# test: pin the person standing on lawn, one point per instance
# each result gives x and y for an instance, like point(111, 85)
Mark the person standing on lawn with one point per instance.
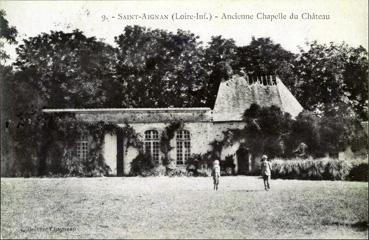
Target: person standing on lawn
point(266, 171)
point(215, 173)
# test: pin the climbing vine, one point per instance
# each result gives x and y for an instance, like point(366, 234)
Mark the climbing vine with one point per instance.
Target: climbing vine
point(230, 137)
point(166, 136)
point(58, 156)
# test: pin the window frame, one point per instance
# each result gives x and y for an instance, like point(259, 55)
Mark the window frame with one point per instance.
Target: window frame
point(183, 146)
point(152, 141)
point(82, 148)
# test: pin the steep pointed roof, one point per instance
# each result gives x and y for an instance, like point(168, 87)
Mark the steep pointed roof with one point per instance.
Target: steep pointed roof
point(238, 93)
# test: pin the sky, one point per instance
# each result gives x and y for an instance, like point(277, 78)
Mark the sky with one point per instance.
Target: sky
point(348, 19)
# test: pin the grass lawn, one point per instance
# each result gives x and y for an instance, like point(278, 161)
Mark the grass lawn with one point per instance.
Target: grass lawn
point(182, 207)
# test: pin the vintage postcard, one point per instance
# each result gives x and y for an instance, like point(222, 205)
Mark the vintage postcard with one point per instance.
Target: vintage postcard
point(233, 119)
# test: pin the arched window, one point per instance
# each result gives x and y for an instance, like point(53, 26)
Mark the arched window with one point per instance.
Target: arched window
point(183, 146)
point(82, 148)
point(151, 145)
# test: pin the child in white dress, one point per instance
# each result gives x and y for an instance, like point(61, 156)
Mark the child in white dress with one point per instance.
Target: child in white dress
point(215, 173)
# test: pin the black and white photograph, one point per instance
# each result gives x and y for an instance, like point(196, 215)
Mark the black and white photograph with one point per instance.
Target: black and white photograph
point(169, 119)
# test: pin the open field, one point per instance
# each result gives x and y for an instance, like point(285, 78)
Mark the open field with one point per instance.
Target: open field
point(182, 207)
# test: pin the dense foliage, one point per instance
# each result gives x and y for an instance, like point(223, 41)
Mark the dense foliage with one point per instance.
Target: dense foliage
point(199, 164)
point(157, 68)
point(336, 74)
point(142, 165)
point(264, 57)
point(67, 69)
point(270, 131)
point(7, 34)
point(53, 150)
point(320, 169)
point(266, 130)
point(166, 136)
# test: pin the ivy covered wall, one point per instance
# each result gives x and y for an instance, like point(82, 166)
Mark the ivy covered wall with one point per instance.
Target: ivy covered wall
point(200, 133)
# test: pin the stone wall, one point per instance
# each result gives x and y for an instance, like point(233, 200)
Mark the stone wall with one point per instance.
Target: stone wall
point(139, 115)
point(196, 120)
point(200, 139)
point(202, 134)
point(110, 152)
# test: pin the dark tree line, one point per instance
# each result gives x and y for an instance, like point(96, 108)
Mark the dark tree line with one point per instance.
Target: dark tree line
point(157, 68)
point(273, 132)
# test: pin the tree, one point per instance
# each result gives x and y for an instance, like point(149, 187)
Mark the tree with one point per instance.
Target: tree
point(337, 75)
point(67, 69)
point(219, 62)
point(341, 130)
point(7, 33)
point(54, 70)
point(157, 68)
point(264, 57)
point(267, 130)
point(21, 124)
point(355, 77)
point(306, 129)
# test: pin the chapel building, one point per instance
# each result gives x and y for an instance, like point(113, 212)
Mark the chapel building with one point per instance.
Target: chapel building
point(201, 126)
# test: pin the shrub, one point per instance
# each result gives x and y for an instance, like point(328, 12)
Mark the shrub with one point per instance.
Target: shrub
point(196, 164)
point(227, 166)
point(205, 172)
point(74, 167)
point(142, 165)
point(359, 172)
point(201, 164)
point(270, 131)
point(177, 172)
point(155, 171)
point(319, 169)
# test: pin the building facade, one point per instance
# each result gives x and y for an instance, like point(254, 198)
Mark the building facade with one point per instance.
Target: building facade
point(200, 126)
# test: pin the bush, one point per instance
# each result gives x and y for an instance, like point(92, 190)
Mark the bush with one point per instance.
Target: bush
point(227, 166)
point(320, 169)
point(270, 131)
point(359, 172)
point(177, 172)
point(201, 165)
point(155, 171)
point(142, 165)
point(74, 167)
point(205, 172)
point(196, 164)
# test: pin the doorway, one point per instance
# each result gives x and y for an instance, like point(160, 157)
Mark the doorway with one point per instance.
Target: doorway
point(243, 160)
point(120, 154)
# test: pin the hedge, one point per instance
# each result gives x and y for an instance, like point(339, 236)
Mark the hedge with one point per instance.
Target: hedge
point(320, 169)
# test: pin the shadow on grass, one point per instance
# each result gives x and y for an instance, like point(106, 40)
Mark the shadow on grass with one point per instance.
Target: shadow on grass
point(251, 190)
point(358, 226)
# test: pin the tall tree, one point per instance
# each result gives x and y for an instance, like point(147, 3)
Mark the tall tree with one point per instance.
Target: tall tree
point(54, 70)
point(355, 77)
point(267, 130)
point(220, 61)
point(67, 69)
point(333, 78)
point(264, 57)
point(7, 33)
point(157, 68)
